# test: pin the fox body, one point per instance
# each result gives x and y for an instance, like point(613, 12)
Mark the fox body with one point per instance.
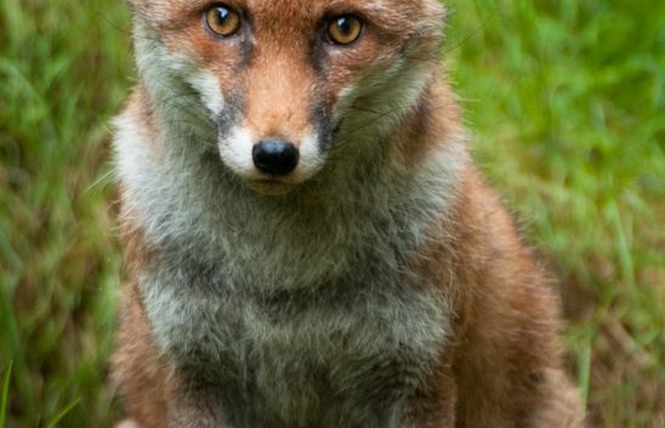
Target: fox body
point(308, 242)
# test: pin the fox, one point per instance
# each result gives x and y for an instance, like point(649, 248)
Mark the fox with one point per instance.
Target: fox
point(308, 242)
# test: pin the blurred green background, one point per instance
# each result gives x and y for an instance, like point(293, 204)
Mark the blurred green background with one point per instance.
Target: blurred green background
point(567, 102)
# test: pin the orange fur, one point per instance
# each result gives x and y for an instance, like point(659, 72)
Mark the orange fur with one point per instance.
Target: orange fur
point(497, 358)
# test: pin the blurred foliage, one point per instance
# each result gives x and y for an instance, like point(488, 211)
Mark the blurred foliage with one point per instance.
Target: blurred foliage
point(566, 99)
point(64, 68)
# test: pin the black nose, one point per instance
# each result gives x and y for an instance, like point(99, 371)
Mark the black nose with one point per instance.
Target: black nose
point(275, 157)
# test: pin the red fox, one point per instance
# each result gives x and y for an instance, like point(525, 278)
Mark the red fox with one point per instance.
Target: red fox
point(308, 241)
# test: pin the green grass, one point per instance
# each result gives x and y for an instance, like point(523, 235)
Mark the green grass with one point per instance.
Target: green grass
point(64, 69)
point(567, 102)
point(567, 99)
point(4, 394)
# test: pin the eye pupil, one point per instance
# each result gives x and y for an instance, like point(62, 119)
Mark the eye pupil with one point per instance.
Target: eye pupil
point(345, 25)
point(222, 15)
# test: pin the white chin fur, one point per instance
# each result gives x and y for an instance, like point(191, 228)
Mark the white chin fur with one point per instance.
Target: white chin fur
point(236, 152)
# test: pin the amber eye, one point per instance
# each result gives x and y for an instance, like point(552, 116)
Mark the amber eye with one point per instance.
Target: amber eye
point(222, 20)
point(345, 29)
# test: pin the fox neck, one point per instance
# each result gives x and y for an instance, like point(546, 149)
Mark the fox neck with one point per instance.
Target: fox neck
point(372, 204)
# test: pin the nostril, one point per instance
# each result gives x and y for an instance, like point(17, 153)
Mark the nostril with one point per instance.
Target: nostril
point(275, 157)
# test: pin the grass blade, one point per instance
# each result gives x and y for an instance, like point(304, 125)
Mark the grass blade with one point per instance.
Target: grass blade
point(4, 398)
point(62, 413)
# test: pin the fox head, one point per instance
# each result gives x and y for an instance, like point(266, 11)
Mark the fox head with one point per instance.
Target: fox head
point(276, 86)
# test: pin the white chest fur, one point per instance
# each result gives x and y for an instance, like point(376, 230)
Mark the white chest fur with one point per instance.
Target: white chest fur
point(347, 355)
point(301, 307)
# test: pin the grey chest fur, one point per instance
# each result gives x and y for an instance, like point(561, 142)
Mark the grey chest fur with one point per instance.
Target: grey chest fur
point(345, 354)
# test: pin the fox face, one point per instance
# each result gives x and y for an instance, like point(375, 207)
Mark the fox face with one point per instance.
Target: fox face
point(276, 86)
